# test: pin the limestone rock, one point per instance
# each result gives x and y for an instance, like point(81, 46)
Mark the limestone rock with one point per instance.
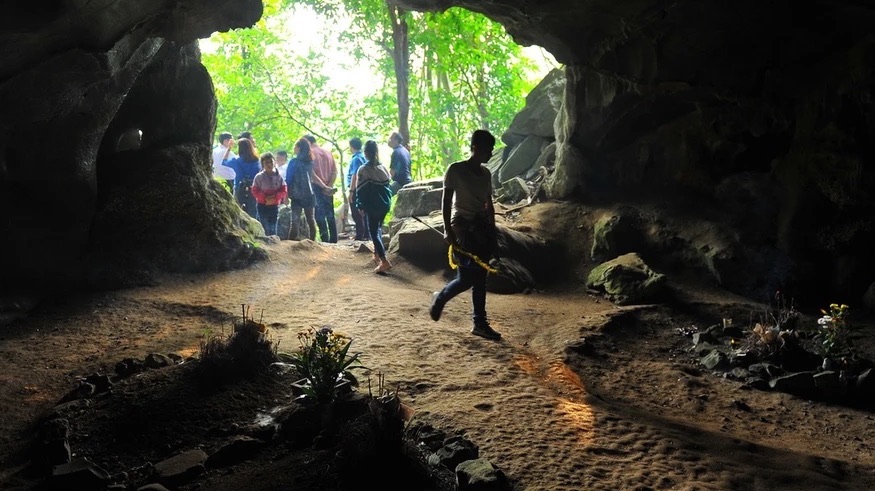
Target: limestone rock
point(480, 475)
point(181, 467)
point(418, 200)
point(627, 280)
point(420, 244)
point(613, 235)
point(514, 190)
point(81, 473)
point(455, 451)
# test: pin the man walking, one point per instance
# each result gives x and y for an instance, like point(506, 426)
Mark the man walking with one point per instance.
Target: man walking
point(469, 225)
point(399, 163)
point(325, 168)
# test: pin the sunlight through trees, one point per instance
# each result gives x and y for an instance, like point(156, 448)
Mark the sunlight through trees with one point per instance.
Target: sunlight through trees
point(344, 68)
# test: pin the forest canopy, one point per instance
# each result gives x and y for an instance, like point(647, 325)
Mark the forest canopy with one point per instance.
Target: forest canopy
point(345, 68)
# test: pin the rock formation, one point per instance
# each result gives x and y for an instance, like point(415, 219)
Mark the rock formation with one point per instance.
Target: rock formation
point(105, 105)
point(755, 115)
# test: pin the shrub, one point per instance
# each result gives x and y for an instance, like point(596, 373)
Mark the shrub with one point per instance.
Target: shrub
point(833, 331)
point(324, 364)
point(247, 350)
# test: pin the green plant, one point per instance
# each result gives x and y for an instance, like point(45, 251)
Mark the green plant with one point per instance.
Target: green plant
point(224, 184)
point(834, 331)
point(323, 363)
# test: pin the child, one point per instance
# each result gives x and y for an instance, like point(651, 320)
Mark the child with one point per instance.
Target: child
point(269, 190)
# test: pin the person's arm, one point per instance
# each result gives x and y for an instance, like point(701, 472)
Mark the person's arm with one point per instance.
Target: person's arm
point(393, 164)
point(332, 176)
point(447, 211)
point(490, 207)
point(316, 180)
point(282, 193)
point(353, 184)
point(257, 192)
point(350, 172)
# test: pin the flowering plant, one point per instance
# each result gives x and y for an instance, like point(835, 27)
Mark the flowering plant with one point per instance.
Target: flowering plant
point(834, 330)
point(323, 363)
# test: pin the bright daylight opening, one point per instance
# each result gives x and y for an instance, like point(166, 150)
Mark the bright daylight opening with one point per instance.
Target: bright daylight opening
point(334, 74)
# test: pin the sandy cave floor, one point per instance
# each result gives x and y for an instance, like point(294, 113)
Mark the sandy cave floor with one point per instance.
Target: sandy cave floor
point(638, 416)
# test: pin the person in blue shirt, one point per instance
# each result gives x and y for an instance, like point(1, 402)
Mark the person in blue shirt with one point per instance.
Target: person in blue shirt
point(303, 184)
point(399, 163)
point(245, 166)
point(358, 216)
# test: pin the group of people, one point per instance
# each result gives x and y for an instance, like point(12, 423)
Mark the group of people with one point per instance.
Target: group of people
point(262, 183)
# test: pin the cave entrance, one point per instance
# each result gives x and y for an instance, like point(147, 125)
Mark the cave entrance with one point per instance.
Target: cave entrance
point(338, 73)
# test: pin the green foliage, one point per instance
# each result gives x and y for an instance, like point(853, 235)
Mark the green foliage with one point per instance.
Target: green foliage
point(834, 329)
point(466, 73)
point(323, 363)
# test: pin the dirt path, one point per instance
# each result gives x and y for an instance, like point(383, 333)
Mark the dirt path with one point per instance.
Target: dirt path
point(634, 421)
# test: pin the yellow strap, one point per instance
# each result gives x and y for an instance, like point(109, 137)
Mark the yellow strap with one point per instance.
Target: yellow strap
point(480, 262)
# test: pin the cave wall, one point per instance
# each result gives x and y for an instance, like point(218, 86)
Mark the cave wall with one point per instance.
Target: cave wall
point(758, 112)
point(66, 72)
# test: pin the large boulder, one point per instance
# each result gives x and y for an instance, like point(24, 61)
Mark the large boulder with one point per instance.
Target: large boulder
point(87, 86)
point(627, 280)
point(418, 198)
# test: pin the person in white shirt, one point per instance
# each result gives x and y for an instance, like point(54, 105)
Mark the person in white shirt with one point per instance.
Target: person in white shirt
point(221, 152)
point(282, 161)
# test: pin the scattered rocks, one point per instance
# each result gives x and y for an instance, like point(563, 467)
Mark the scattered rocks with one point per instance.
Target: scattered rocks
point(480, 475)
point(181, 467)
point(455, 451)
point(627, 280)
point(80, 474)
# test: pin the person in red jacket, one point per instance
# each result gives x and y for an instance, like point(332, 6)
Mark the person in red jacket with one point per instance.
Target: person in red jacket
point(269, 190)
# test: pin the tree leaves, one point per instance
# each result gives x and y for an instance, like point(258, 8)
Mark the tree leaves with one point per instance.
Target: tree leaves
point(465, 73)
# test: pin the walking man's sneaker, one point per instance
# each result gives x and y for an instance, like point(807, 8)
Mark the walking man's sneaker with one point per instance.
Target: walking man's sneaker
point(486, 331)
point(436, 308)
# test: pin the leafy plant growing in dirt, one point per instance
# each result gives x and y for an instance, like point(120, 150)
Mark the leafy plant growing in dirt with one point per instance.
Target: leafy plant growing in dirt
point(324, 364)
point(834, 332)
point(248, 349)
point(775, 337)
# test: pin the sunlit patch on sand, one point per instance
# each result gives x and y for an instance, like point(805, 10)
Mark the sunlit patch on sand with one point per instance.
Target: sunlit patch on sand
point(313, 273)
point(528, 364)
point(189, 351)
point(579, 416)
point(562, 374)
point(563, 380)
point(343, 280)
point(32, 393)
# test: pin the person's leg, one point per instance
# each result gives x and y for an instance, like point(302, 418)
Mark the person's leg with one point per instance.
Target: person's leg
point(375, 221)
point(366, 227)
point(311, 222)
point(331, 218)
point(271, 214)
point(463, 281)
point(320, 217)
point(478, 295)
point(375, 224)
point(260, 216)
point(359, 224)
point(295, 225)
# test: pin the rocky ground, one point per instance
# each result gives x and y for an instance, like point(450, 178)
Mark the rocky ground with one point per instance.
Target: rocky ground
point(579, 393)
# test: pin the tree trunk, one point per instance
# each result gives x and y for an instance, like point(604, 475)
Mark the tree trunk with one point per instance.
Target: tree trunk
point(401, 59)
